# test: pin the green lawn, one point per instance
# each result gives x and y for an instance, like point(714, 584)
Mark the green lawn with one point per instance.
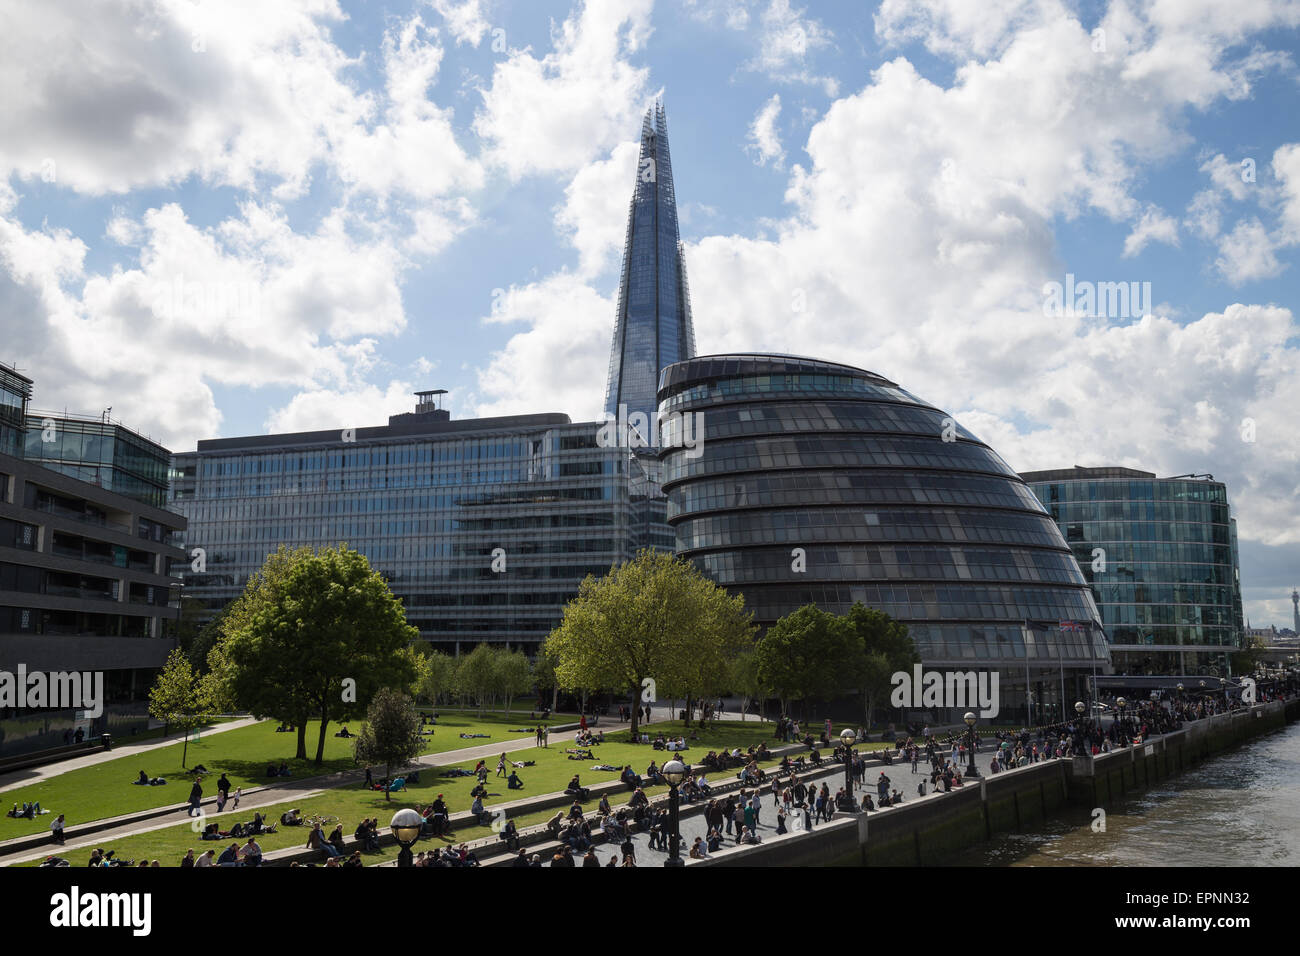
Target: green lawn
point(350, 804)
point(106, 790)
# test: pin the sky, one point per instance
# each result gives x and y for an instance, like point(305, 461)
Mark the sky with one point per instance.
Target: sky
point(237, 217)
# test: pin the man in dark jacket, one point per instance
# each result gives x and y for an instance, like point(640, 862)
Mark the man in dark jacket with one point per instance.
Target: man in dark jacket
point(196, 797)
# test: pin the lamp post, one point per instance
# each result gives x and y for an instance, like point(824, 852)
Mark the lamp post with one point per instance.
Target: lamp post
point(971, 770)
point(1120, 703)
point(1079, 709)
point(674, 771)
point(848, 738)
point(406, 825)
point(1223, 685)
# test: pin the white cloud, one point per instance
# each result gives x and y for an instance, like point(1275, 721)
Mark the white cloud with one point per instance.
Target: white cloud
point(1247, 253)
point(764, 139)
point(787, 37)
point(1154, 226)
point(594, 214)
point(248, 302)
point(554, 363)
point(465, 19)
point(360, 407)
point(119, 94)
point(557, 113)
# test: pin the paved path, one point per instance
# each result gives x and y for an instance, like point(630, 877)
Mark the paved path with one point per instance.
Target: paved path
point(31, 775)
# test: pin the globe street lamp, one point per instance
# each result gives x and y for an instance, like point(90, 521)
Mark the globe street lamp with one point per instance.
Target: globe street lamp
point(1079, 733)
point(848, 738)
point(1223, 685)
point(406, 825)
point(1120, 703)
point(971, 770)
point(674, 771)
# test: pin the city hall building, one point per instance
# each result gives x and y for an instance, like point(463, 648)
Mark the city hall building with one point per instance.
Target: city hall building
point(821, 483)
point(1160, 555)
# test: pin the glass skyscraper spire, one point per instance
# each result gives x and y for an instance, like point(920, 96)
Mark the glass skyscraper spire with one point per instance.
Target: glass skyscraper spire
point(653, 327)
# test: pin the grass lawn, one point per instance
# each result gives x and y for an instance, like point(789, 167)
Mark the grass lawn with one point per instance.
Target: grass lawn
point(350, 804)
point(106, 790)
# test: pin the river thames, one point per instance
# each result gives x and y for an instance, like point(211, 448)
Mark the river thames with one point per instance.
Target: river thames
point(1240, 808)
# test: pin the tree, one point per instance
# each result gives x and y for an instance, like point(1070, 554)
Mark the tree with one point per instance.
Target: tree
point(476, 676)
point(437, 675)
point(320, 637)
point(744, 677)
point(391, 735)
point(808, 654)
point(544, 675)
point(178, 697)
point(513, 675)
point(255, 681)
point(886, 648)
point(639, 621)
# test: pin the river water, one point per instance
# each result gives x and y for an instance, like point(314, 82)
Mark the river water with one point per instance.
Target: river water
point(1240, 808)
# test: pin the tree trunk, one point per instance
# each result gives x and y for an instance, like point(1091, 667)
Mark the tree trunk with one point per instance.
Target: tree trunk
point(555, 697)
point(636, 711)
point(388, 778)
point(185, 749)
point(320, 745)
point(688, 710)
point(302, 741)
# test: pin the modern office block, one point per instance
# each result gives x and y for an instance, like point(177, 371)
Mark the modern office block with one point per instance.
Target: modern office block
point(1160, 555)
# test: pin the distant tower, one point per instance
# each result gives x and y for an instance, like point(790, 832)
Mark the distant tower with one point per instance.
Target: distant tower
point(653, 327)
point(1295, 610)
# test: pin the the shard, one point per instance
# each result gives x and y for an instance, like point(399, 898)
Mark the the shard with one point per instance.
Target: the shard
point(653, 327)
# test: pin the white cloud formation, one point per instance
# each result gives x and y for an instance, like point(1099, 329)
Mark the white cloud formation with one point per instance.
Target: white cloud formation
point(359, 407)
point(594, 214)
point(764, 138)
point(557, 113)
point(1154, 226)
point(121, 94)
point(465, 19)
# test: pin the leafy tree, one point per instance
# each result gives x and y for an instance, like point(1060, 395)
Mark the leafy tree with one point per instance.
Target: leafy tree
point(744, 677)
point(513, 675)
point(885, 649)
point(476, 676)
point(544, 675)
point(178, 697)
point(391, 735)
point(808, 654)
point(437, 675)
point(254, 682)
point(321, 635)
point(640, 621)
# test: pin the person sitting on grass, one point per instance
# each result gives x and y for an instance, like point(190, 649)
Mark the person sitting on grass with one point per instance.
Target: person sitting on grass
point(513, 782)
point(229, 856)
point(291, 818)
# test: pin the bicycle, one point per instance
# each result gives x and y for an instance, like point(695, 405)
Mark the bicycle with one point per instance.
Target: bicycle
point(321, 820)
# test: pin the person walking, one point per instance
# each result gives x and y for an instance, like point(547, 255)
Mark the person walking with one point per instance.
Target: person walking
point(57, 829)
point(370, 780)
point(501, 766)
point(196, 798)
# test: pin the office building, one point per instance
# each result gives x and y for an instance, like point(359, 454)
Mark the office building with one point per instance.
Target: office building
point(1160, 555)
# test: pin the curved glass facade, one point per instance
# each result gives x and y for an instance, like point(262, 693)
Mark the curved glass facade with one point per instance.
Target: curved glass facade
point(1160, 555)
point(891, 501)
